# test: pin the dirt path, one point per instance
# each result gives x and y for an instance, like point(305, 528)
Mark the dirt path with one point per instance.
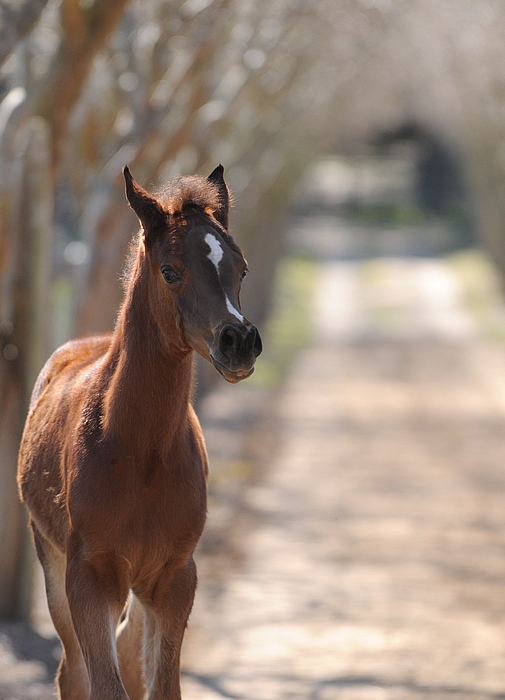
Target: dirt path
point(375, 550)
point(371, 563)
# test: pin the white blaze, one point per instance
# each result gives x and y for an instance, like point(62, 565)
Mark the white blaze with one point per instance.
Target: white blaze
point(215, 256)
point(232, 309)
point(216, 252)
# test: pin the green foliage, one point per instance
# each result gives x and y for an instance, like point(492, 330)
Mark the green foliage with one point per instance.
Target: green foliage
point(289, 325)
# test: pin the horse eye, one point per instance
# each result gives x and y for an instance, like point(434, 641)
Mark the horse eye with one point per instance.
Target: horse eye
point(244, 273)
point(169, 275)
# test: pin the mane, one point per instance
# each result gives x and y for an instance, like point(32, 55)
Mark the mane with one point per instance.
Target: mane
point(130, 260)
point(184, 193)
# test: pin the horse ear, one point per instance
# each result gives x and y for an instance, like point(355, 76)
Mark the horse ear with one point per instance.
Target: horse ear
point(147, 208)
point(216, 177)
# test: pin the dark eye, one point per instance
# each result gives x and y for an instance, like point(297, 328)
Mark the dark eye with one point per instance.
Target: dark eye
point(244, 273)
point(169, 275)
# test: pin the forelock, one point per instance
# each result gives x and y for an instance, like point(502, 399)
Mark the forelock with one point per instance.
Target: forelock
point(185, 193)
point(185, 198)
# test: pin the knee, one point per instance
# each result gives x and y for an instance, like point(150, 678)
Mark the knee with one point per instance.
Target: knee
point(103, 576)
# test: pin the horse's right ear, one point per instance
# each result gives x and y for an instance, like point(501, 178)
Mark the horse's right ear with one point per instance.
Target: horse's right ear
point(147, 208)
point(216, 177)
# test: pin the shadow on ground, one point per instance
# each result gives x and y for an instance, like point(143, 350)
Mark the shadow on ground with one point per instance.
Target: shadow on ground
point(369, 687)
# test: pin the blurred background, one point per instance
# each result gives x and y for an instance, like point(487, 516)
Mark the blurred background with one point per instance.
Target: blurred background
point(364, 141)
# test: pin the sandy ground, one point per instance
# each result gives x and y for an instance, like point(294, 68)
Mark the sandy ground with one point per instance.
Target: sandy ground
point(365, 560)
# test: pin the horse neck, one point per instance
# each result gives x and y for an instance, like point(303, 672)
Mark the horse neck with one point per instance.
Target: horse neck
point(150, 380)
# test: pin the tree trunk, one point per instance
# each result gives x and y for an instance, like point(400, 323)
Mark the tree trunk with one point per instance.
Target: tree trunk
point(26, 338)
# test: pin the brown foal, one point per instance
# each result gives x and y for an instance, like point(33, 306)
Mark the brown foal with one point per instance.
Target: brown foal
point(113, 466)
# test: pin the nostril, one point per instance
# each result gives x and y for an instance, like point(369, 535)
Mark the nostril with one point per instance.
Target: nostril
point(228, 341)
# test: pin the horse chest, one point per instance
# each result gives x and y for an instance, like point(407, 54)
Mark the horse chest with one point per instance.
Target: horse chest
point(165, 525)
point(145, 510)
point(171, 505)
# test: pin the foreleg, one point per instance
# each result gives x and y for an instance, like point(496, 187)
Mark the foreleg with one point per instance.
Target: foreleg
point(97, 588)
point(130, 636)
point(166, 617)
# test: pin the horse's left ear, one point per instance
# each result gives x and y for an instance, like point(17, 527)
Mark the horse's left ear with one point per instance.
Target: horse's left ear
point(151, 215)
point(216, 177)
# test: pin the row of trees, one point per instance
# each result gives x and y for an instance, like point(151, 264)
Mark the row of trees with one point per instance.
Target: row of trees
point(171, 86)
point(166, 87)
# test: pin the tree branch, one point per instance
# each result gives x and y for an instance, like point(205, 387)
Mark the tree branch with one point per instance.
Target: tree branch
point(84, 34)
point(16, 20)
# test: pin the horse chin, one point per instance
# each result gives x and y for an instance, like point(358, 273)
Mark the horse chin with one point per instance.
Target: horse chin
point(231, 376)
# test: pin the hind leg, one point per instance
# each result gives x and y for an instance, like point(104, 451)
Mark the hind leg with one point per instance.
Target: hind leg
point(129, 637)
point(72, 677)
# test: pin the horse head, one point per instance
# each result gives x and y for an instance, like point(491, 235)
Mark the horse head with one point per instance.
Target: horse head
point(196, 270)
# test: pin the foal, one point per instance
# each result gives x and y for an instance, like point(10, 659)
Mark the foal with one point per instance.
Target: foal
point(112, 463)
